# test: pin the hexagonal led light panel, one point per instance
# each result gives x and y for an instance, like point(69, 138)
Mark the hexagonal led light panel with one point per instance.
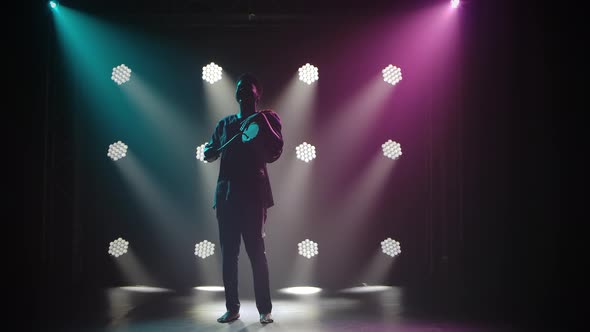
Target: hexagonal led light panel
point(212, 73)
point(308, 248)
point(392, 74)
point(305, 152)
point(118, 247)
point(204, 249)
point(391, 149)
point(121, 74)
point(390, 247)
point(308, 73)
point(117, 150)
point(201, 152)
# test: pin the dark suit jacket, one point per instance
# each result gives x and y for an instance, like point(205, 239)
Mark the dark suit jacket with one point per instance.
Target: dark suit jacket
point(243, 177)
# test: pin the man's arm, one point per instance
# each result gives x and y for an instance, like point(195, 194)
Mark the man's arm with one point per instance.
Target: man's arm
point(273, 138)
point(212, 148)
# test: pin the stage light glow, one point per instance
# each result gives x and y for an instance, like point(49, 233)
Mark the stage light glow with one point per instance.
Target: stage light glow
point(210, 288)
point(118, 247)
point(454, 3)
point(308, 248)
point(392, 149)
point(212, 73)
point(392, 74)
point(201, 152)
point(308, 73)
point(121, 74)
point(305, 152)
point(391, 247)
point(366, 289)
point(145, 289)
point(53, 4)
point(117, 150)
point(204, 249)
point(300, 290)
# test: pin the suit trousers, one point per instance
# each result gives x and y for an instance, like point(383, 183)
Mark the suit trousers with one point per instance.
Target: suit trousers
point(245, 220)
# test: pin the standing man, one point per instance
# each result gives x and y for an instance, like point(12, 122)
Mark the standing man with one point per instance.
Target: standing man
point(246, 142)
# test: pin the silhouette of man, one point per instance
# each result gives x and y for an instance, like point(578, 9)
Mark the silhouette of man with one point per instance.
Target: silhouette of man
point(246, 142)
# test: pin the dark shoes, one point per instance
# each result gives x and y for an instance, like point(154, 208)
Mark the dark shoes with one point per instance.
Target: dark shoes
point(229, 317)
point(266, 318)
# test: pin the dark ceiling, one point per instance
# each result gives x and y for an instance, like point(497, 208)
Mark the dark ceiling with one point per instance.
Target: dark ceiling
point(307, 7)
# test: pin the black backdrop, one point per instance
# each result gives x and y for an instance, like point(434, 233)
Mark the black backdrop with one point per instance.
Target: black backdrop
point(499, 257)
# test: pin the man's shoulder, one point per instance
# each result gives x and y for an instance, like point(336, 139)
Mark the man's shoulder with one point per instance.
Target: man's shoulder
point(270, 112)
point(227, 119)
point(267, 111)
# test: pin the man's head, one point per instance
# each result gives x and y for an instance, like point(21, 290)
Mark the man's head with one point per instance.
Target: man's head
point(248, 89)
